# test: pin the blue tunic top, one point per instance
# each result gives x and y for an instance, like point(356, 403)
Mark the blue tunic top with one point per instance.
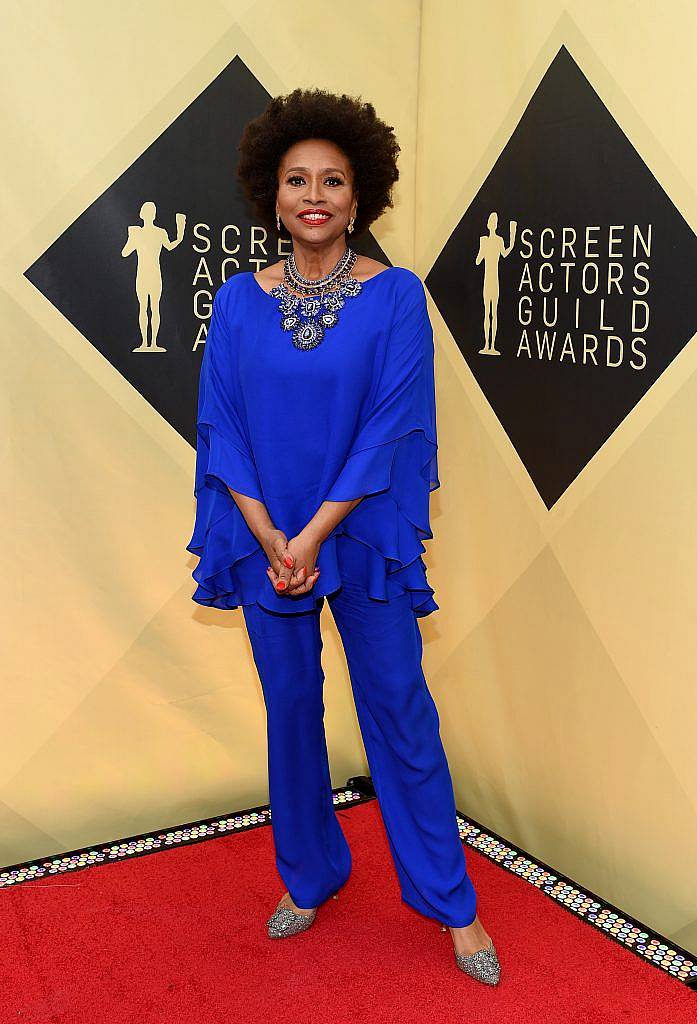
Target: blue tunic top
point(353, 417)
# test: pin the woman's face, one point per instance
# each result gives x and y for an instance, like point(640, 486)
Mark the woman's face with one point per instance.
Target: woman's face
point(315, 175)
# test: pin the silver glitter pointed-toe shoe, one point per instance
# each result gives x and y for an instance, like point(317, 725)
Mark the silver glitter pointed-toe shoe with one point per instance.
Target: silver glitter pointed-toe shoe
point(482, 966)
point(284, 921)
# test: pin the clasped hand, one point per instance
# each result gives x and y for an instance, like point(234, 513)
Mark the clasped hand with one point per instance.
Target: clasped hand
point(292, 568)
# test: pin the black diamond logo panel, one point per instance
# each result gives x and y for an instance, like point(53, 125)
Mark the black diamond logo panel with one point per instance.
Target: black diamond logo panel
point(137, 271)
point(568, 284)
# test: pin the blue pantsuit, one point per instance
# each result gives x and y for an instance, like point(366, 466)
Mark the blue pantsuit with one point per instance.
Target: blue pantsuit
point(400, 728)
point(351, 415)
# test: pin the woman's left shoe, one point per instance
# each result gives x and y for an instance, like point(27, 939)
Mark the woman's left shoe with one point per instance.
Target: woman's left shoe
point(482, 966)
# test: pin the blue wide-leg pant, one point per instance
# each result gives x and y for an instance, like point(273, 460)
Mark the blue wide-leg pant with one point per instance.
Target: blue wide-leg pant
point(400, 727)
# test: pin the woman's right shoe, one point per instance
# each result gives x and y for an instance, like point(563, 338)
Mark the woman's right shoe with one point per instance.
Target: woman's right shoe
point(284, 921)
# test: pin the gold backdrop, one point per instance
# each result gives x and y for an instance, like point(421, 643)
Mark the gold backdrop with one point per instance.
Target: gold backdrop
point(563, 656)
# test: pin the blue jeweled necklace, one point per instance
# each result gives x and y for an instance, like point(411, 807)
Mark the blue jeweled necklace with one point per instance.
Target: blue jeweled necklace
point(312, 312)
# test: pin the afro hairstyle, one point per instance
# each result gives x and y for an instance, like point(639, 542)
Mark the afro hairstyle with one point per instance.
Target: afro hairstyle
point(352, 125)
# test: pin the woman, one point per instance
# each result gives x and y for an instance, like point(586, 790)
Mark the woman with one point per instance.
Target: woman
point(317, 444)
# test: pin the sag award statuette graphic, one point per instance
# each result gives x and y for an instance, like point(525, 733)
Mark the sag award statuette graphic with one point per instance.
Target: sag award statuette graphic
point(491, 248)
point(148, 242)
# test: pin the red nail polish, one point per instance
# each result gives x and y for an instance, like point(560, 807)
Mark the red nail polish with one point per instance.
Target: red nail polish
point(281, 585)
point(287, 562)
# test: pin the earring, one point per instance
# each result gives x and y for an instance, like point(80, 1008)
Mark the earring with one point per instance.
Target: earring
point(278, 221)
point(350, 225)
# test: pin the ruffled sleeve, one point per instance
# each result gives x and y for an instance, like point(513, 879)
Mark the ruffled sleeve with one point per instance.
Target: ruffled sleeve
point(221, 538)
point(393, 464)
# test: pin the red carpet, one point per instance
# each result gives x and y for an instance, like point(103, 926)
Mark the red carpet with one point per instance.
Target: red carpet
point(179, 936)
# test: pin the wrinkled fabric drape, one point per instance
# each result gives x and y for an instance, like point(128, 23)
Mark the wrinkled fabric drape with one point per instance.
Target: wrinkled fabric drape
point(353, 417)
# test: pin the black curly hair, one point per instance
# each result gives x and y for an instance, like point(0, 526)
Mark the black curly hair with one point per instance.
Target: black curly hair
point(352, 125)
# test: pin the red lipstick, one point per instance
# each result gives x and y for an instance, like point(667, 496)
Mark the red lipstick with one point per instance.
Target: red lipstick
point(321, 216)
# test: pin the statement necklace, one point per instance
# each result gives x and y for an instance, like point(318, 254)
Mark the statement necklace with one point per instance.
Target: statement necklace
point(312, 312)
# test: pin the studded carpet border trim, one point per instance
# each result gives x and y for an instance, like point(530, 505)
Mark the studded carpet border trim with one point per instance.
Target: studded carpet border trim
point(154, 842)
point(646, 943)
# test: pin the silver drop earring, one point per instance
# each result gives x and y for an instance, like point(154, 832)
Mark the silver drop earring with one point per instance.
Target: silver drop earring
point(278, 222)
